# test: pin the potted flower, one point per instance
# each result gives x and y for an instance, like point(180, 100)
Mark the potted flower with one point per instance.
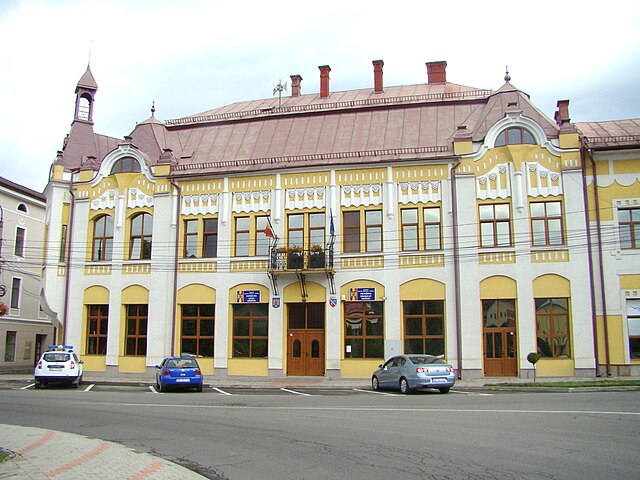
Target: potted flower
point(4, 310)
point(316, 257)
point(294, 258)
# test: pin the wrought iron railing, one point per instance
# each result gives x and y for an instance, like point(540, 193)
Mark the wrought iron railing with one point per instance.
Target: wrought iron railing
point(296, 260)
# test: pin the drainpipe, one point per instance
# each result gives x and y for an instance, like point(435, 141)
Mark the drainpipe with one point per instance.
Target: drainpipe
point(594, 317)
point(175, 267)
point(456, 264)
point(601, 266)
point(72, 210)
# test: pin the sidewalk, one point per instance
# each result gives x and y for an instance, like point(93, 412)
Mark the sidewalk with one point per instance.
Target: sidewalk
point(42, 454)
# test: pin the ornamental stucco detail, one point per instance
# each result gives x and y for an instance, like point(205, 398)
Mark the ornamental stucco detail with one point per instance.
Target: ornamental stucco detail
point(361, 195)
point(137, 198)
point(300, 198)
point(494, 184)
point(419, 192)
point(542, 182)
point(245, 202)
point(107, 200)
point(200, 204)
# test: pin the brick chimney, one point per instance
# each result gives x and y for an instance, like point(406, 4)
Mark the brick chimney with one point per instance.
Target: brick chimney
point(377, 76)
point(562, 114)
point(324, 80)
point(296, 81)
point(437, 72)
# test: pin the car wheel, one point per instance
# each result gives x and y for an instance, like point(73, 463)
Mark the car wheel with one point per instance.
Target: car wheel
point(80, 380)
point(75, 383)
point(162, 388)
point(38, 384)
point(199, 388)
point(444, 390)
point(404, 386)
point(375, 384)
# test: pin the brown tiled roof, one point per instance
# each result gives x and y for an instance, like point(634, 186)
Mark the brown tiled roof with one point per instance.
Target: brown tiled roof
point(22, 189)
point(611, 134)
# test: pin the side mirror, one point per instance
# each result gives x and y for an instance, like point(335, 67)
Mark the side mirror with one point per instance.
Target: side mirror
point(81, 361)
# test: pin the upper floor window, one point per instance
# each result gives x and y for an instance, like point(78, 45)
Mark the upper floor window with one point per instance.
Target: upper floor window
point(126, 165)
point(515, 136)
point(421, 229)
point(23, 208)
point(546, 223)
point(306, 229)
point(355, 223)
point(629, 227)
point(19, 247)
point(102, 239)
point(16, 290)
point(141, 230)
point(250, 238)
point(495, 225)
point(208, 247)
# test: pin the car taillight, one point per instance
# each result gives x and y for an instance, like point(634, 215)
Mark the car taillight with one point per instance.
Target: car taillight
point(422, 370)
point(73, 365)
point(449, 369)
point(198, 372)
point(40, 365)
point(165, 372)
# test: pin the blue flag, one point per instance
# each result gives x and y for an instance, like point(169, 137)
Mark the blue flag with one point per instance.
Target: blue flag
point(332, 229)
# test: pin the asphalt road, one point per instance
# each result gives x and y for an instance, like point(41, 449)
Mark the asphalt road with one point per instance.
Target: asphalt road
point(356, 434)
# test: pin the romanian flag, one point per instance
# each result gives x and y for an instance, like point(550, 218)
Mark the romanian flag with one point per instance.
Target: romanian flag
point(268, 232)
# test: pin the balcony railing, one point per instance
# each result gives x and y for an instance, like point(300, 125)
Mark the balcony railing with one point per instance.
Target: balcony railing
point(308, 260)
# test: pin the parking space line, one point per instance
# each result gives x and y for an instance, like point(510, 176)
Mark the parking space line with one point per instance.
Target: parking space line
point(472, 393)
point(221, 391)
point(28, 386)
point(298, 393)
point(377, 393)
point(153, 390)
point(88, 389)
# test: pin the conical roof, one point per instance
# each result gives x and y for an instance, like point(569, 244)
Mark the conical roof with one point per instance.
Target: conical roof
point(87, 81)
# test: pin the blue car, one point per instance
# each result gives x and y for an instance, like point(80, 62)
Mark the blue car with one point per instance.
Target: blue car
point(179, 372)
point(408, 372)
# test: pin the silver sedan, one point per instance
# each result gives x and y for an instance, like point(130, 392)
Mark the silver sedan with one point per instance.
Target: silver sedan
point(408, 372)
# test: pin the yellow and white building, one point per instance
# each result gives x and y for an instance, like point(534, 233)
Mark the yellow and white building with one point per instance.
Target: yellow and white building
point(321, 233)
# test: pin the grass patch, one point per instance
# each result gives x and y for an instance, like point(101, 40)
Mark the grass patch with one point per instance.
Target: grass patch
point(4, 456)
point(578, 384)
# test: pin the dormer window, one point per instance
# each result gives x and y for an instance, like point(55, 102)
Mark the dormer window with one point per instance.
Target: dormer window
point(126, 165)
point(515, 136)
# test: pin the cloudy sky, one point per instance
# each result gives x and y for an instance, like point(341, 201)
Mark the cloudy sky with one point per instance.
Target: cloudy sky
point(190, 56)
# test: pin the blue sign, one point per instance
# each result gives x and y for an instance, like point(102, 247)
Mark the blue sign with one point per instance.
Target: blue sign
point(362, 294)
point(248, 296)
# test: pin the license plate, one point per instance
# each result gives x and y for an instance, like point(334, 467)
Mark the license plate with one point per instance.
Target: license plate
point(439, 380)
point(182, 380)
point(55, 367)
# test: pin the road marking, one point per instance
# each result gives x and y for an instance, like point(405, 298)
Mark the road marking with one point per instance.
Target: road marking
point(376, 392)
point(88, 389)
point(28, 386)
point(99, 450)
point(472, 393)
point(369, 408)
point(298, 393)
point(48, 435)
point(153, 390)
point(221, 391)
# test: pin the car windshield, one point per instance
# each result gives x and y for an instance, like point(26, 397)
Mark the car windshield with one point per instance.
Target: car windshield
point(426, 360)
point(181, 363)
point(56, 357)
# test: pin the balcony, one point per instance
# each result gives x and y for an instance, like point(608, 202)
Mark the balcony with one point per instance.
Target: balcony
point(293, 260)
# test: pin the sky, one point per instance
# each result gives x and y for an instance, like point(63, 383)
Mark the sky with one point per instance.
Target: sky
point(191, 56)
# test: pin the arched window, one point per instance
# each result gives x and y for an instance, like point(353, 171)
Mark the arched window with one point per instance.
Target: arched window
point(515, 136)
point(23, 208)
point(140, 244)
point(126, 165)
point(102, 239)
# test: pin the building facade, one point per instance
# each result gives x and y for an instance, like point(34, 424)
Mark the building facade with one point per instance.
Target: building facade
point(318, 234)
point(25, 326)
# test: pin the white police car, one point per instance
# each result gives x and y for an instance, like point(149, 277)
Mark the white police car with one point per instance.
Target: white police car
point(59, 364)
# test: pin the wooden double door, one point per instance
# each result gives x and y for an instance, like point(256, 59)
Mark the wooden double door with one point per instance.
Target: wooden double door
point(305, 339)
point(500, 341)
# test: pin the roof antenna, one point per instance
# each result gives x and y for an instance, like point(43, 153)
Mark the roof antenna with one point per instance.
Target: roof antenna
point(153, 109)
point(507, 77)
point(279, 88)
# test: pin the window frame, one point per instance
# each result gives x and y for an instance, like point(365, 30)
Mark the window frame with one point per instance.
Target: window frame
point(209, 236)
point(16, 292)
point(142, 253)
point(141, 318)
point(632, 225)
point(426, 337)
point(188, 238)
point(106, 254)
point(20, 240)
point(504, 137)
point(421, 227)
point(97, 341)
point(549, 338)
point(545, 220)
point(199, 318)
point(10, 346)
point(251, 338)
point(122, 166)
point(366, 318)
point(494, 222)
point(309, 232)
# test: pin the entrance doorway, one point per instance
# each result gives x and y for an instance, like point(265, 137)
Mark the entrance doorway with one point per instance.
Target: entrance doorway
point(499, 334)
point(305, 339)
